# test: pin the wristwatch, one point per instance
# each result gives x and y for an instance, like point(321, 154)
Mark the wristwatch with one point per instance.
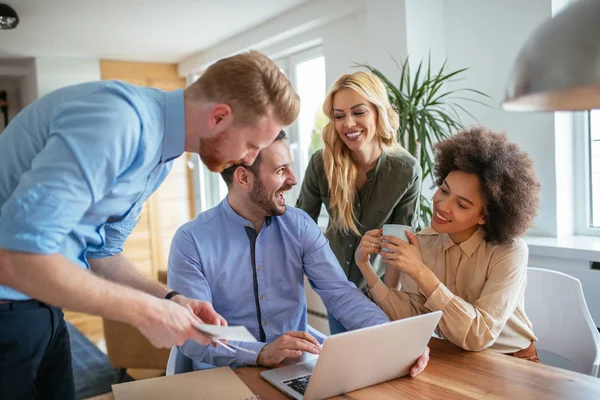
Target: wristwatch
point(171, 294)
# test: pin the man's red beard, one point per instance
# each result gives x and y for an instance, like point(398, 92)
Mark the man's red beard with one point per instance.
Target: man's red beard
point(210, 153)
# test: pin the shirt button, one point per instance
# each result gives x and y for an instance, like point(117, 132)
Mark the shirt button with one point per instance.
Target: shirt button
point(262, 296)
point(265, 323)
point(350, 245)
point(259, 268)
point(347, 262)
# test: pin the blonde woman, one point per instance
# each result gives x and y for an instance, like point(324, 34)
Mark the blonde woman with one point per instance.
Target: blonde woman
point(363, 176)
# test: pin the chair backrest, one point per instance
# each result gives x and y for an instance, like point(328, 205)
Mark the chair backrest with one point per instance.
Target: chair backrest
point(128, 348)
point(178, 362)
point(555, 304)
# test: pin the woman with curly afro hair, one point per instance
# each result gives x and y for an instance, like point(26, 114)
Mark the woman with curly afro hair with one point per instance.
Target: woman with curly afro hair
point(471, 263)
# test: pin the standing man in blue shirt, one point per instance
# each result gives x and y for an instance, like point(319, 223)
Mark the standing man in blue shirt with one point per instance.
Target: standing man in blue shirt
point(253, 269)
point(75, 168)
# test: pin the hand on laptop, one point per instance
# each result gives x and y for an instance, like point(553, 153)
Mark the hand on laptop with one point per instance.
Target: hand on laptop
point(292, 344)
point(421, 363)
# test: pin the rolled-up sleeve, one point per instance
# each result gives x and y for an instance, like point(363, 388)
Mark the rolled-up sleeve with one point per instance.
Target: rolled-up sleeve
point(115, 235)
point(92, 141)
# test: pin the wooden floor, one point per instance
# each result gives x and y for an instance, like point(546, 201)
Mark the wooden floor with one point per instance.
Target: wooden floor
point(89, 325)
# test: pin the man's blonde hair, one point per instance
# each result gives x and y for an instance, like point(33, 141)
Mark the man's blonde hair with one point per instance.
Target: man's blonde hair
point(340, 167)
point(252, 85)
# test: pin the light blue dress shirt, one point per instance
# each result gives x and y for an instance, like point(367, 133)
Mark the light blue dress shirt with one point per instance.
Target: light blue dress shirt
point(77, 165)
point(258, 280)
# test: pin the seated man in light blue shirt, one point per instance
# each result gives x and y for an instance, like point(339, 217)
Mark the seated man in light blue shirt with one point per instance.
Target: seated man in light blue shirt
point(248, 256)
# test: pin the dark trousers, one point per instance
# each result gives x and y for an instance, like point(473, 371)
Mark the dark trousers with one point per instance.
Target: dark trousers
point(35, 353)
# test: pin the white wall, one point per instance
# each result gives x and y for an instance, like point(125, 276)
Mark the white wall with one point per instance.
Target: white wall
point(56, 72)
point(28, 84)
point(343, 47)
point(386, 35)
point(304, 23)
point(487, 36)
point(351, 32)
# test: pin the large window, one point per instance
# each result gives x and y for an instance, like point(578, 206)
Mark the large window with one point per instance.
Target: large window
point(306, 71)
point(594, 171)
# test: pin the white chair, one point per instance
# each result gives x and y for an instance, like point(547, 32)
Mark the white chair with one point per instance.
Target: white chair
point(568, 337)
point(179, 363)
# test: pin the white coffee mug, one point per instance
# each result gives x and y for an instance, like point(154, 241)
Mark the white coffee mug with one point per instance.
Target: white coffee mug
point(398, 231)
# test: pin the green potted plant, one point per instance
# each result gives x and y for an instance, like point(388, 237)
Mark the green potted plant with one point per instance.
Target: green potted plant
point(428, 114)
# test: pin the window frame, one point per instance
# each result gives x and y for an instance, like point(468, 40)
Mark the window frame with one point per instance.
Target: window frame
point(583, 187)
point(288, 65)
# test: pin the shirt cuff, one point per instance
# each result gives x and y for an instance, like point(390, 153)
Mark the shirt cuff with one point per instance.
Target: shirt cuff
point(439, 299)
point(380, 291)
point(249, 358)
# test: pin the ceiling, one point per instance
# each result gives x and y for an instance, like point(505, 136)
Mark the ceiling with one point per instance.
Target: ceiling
point(136, 30)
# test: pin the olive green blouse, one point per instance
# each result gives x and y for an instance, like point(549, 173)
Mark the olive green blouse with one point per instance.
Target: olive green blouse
point(389, 196)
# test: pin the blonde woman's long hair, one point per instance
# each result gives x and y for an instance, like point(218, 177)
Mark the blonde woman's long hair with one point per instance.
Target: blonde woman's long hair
point(340, 166)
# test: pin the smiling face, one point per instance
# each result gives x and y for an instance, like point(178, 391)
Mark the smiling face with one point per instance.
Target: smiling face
point(458, 206)
point(275, 178)
point(355, 120)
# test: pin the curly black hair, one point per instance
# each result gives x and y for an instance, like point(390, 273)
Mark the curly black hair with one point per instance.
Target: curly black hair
point(506, 175)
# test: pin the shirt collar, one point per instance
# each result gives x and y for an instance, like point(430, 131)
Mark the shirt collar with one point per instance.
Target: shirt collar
point(238, 219)
point(174, 137)
point(380, 162)
point(468, 246)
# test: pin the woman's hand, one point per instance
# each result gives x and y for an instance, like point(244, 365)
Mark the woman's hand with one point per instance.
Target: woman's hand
point(401, 255)
point(369, 244)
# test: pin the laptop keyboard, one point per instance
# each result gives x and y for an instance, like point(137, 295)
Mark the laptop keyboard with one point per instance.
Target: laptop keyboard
point(298, 384)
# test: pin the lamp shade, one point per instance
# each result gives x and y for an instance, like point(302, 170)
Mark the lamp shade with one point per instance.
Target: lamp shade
point(559, 66)
point(8, 17)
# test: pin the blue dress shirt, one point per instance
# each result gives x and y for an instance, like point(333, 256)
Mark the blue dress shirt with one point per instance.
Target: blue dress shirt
point(258, 280)
point(77, 165)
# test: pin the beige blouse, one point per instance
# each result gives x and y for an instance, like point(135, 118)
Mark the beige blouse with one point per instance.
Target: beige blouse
point(481, 292)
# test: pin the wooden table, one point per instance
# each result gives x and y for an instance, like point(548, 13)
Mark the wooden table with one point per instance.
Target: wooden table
point(453, 373)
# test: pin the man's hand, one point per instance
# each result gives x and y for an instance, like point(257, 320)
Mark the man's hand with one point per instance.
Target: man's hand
point(202, 309)
point(168, 324)
point(292, 344)
point(421, 363)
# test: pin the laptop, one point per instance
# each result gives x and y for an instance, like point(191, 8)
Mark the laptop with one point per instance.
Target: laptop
point(353, 360)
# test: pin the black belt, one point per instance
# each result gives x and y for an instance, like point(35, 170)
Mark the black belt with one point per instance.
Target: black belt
point(21, 304)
